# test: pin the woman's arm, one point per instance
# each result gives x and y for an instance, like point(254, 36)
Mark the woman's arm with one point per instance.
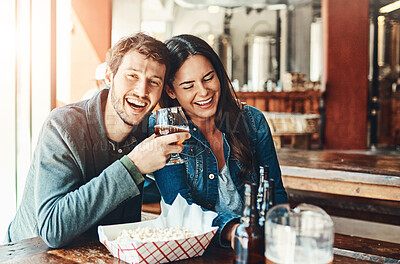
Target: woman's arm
point(172, 180)
point(266, 153)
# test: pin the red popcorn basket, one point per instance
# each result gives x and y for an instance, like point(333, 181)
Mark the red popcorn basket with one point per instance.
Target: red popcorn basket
point(179, 214)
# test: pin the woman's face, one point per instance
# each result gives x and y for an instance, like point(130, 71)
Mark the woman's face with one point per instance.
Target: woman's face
point(197, 88)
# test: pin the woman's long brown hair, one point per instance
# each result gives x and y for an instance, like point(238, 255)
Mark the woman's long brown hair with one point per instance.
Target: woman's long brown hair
point(229, 117)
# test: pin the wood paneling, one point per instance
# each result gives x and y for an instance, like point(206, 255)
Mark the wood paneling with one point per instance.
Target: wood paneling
point(346, 24)
point(307, 102)
point(95, 16)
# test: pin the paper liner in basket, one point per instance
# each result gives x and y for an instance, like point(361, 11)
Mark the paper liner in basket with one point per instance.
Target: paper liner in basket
point(179, 214)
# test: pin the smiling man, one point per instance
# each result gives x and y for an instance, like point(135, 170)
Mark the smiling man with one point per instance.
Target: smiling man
point(90, 158)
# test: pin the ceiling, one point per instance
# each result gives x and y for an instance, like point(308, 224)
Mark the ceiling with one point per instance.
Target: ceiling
point(237, 3)
point(395, 15)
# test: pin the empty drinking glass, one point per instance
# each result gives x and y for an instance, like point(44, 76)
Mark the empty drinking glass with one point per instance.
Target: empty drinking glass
point(299, 236)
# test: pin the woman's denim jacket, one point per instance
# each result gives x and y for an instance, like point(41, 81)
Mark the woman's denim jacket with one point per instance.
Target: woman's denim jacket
point(197, 179)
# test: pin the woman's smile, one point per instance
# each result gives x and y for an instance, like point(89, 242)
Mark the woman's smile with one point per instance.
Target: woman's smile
point(205, 103)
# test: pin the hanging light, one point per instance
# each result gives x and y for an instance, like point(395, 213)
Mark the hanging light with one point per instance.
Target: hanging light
point(390, 7)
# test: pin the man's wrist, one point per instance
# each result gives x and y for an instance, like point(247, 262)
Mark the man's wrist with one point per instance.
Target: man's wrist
point(132, 169)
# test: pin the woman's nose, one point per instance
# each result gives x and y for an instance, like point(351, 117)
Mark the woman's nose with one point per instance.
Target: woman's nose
point(202, 90)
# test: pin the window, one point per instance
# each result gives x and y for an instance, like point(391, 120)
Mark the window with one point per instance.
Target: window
point(28, 70)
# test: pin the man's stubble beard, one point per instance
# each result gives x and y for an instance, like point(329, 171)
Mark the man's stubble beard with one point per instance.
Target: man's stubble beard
point(117, 104)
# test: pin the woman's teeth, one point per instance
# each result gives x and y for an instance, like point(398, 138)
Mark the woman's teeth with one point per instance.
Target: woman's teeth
point(204, 102)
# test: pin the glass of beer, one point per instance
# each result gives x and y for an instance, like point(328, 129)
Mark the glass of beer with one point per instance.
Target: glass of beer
point(171, 120)
point(302, 235)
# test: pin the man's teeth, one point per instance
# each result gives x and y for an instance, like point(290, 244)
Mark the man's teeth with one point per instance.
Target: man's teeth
point(135, 102)
point(204, 102)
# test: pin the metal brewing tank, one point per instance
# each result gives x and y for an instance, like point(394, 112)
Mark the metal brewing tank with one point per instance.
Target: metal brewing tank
point(225, 53)
point(224, 44)
point(260, 60)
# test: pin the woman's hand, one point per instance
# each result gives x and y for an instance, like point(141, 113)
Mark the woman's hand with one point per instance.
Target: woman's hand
point(228, 232)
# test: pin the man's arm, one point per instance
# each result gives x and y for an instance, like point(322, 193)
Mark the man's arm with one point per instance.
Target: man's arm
point(66, 205)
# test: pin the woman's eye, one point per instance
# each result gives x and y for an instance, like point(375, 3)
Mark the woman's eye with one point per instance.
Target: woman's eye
point(188, 87)
point(209, 78)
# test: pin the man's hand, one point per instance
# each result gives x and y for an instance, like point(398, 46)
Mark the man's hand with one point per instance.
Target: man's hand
point(152, 153)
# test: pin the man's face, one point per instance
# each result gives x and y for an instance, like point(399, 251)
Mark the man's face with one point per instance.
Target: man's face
point(136, 87)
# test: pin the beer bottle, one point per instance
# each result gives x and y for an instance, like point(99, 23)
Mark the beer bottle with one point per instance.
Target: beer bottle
point(249, 236)
point(268, 198)
point(260, 188)
point(271, 193)
point(265, 203)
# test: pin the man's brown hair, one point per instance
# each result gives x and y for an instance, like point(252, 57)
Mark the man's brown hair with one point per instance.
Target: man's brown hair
point(143, 44)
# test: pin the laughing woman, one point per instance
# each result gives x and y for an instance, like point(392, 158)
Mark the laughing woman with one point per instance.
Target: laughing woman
point(229, 141)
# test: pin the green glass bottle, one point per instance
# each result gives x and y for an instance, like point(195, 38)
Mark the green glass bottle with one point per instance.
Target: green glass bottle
point(249, 236)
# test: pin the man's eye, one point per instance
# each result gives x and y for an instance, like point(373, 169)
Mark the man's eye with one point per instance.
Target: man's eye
point(155, 83)
point(132, 76)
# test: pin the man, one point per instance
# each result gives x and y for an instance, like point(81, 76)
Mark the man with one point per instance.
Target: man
point(90, 158)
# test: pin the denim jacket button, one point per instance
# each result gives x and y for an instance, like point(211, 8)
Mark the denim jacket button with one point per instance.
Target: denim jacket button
point(209, 206)
point(211, 176)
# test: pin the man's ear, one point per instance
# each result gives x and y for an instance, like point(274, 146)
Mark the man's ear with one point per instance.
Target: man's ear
point(170, 92)
point(108, 77)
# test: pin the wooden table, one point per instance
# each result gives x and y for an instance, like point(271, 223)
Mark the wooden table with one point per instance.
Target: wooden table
point(315, 169)
point(362, 175)
point(352, 185)
point(347, 250)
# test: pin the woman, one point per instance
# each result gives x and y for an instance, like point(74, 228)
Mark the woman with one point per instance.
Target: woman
point(228, 144)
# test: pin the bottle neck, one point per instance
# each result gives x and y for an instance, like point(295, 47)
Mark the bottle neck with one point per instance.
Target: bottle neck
point(254, 214)
point(271, 193)
point(266, 197)
point(250, 211)
point(247, 201)
point(260, 188)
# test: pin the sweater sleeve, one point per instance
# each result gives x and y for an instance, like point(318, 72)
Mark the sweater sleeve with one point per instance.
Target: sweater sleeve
point(133, 170)
point(66, 203)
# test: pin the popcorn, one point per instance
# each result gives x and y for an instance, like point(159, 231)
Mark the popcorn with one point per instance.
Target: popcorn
point(169, 237)
point(147, 234)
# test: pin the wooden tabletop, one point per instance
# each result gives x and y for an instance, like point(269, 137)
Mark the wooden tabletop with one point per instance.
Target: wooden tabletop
point(347, 249)
point(352, 174)
point(364, 186)
point(340, 161)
